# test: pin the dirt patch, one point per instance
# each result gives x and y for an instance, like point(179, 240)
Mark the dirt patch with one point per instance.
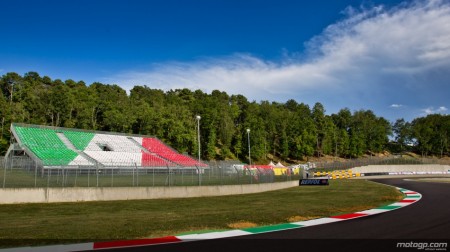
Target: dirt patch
point(241, 224)
point(301, 218)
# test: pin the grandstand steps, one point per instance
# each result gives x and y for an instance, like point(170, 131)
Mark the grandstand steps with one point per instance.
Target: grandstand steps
point(91, 159)
point(139, 145)
point(66, 141)
point(70, 146)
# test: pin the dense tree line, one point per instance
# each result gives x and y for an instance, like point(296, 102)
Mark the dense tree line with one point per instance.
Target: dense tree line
point(287, 131)
point(425, 135)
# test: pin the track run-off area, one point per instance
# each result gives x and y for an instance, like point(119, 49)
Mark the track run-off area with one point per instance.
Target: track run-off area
point(420, 220)
point(424, 223)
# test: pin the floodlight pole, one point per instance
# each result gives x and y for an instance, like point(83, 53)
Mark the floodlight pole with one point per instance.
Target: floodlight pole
point(249, 156)
point(198, 135)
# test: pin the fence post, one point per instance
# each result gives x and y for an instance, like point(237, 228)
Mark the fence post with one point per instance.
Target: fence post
point(4, 172)
point(48, 177)
point(97, 173)
point(57, 178)
point(249, 174)
point(76, 175)
point(62, 175)
point(65, 172)
point(134, 168)
point(220, 174)
point(199, 175)
point(42, 169)
point(112, 177)
point(168, 176)
point(137, 175)
point(237, 172)
point(35, 174)
point(182, 177)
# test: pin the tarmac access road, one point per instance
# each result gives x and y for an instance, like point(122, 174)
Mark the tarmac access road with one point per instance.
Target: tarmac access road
point(423, 224)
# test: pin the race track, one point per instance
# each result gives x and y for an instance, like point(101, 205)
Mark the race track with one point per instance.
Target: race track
point(426, 221)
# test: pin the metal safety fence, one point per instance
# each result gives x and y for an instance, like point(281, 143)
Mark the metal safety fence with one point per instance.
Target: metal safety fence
point(22, 171)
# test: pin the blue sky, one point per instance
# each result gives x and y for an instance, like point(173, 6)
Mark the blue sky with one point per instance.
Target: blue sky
point(392, 57)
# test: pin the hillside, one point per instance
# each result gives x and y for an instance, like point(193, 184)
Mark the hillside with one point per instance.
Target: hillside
point(229, 126)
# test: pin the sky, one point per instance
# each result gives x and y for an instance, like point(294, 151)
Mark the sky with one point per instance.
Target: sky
point(389, 56)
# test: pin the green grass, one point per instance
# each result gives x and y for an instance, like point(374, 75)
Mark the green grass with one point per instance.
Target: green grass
point(38, 224)
point(434, 180)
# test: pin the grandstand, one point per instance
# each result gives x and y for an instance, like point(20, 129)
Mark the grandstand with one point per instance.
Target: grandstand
point(56, 147)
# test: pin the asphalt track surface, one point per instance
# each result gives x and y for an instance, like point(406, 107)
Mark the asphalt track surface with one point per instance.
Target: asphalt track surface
point(426, 221)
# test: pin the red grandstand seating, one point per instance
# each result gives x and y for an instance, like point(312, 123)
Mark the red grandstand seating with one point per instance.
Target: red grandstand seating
point(156, 146)
point(153, 160)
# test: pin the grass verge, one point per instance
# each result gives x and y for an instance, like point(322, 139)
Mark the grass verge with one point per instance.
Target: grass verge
point(39, 224)
point(434, 180)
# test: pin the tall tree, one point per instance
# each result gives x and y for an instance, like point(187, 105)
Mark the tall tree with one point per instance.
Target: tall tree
point(318, 115)
point(402, 133)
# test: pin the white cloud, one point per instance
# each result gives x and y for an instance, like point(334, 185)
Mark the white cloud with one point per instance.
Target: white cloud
point(396, 105)
point(236, 74)
point(369, 58)
point(431, 110)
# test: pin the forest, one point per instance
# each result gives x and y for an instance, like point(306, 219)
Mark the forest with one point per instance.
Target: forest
point(286, 131)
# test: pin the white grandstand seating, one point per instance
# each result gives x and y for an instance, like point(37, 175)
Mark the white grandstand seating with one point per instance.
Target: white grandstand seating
point(116, 158)
point(80, 160)
point(114, 143)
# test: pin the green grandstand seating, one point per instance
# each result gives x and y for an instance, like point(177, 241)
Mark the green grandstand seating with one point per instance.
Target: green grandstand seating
point(79, 139)
point(46, 145)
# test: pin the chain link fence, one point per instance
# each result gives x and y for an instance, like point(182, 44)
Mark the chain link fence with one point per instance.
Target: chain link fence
point(22, 172)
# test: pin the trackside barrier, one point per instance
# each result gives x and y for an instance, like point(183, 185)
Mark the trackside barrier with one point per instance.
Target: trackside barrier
point(80, 194)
